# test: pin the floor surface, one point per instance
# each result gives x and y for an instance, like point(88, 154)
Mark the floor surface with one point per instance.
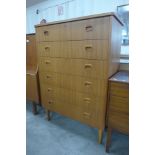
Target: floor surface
point(64, 136)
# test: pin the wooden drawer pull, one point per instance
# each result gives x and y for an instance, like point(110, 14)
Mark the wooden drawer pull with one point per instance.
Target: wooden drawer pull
point(88, 46)
point(86, 115)
point(47, 62)
point(45, 32)
point(46, 48)
point(88, 83)
point(88, 65)
point(50, 102)
point(49, 89)
point(88, 28)
point(86, 99)
point(48, 76)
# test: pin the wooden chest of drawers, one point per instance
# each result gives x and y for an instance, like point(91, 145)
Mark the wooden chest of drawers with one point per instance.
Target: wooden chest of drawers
point(32, 81)
point(118, 104)
point(76, 58)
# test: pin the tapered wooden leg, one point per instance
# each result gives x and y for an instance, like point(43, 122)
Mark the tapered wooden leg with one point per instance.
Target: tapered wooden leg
point(48, 115)
point(100, 135)
point(108, 141)
point(34, 108)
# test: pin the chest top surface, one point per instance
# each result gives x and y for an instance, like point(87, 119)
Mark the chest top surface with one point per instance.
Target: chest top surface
point(121, 76)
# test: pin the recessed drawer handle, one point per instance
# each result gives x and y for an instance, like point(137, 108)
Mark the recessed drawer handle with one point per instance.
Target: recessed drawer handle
point(88, 83)
point(50, 102)
point(49, 89)
point(45, 32)
point(86, 115)
point(48, 76)
point(88, 28)
point(86, 99)
point(47, 62)
point(46, 48)
point(88, 46)
point(88, 65)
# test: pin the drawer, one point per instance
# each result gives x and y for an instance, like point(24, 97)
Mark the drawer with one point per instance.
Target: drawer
point(46, 64)
point(97, 28)
point(48, 92)
point(58, 32)
point(49, 49)
point(119, 121)
point(119, 104)
point(119, 89)
point(48, 33)
point(50, 78)
point(90, 49)
point(89, 68)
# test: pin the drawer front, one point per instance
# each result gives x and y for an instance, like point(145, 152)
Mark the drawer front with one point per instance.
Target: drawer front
point(119, 104)
point(97, 28)
point(57, 32)
point(119, 121)
point(50, 78)
point(48, 33)
point(47, 64)
point(49, 49)
point(87, 68)
point(119, 89)
point(90, 49)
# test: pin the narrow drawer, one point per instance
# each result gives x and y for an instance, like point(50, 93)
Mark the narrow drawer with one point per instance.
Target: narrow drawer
point(97, 28)
point(119, 121)
point(47, 64)
point(48, 33)
point(49, 49)
point(119, 104)
point(57, 32)
point(119, 89)
point(90, 49)
point(50, 78)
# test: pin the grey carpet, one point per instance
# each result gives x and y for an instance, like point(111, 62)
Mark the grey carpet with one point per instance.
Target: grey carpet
point(64, 136)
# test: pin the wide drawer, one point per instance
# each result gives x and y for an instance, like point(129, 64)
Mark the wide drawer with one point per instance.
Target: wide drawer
point(119, 104)
point(119, 89)
point(87, 49)
point(97, 28)
point(87, 68)
point(119, 121)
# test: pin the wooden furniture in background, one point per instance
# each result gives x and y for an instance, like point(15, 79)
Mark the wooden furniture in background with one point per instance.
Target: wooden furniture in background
point(76, 58)
point(118, 104)
point(32, 81)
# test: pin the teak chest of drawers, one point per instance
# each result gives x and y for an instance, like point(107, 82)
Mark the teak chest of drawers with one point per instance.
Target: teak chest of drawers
point(76, 58)
point(118, 104)
point(32, 81)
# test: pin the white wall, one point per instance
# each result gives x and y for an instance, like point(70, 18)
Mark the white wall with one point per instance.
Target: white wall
point(71, 9)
